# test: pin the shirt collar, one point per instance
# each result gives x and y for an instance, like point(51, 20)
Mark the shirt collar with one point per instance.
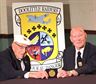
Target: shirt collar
point(81, 50)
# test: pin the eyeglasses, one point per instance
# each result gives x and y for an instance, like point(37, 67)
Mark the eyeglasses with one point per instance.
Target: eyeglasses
point(21, 46)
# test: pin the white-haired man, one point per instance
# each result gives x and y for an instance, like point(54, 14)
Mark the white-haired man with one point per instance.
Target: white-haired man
point(10, 66)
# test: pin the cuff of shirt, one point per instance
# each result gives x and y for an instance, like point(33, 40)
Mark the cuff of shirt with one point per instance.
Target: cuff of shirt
point(26, 75)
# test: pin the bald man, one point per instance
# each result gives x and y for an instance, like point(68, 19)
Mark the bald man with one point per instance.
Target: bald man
point(80, 58)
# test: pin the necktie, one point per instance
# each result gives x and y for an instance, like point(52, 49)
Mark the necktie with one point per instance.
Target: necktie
point(79, 60)
point(22, 66)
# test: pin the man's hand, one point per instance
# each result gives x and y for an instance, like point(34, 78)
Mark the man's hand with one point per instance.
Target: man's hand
point(62, 74)
point(72, 73)
point(38, 74)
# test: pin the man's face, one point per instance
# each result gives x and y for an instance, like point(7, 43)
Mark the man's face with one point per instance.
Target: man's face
point(19, 50)
point(78, 38)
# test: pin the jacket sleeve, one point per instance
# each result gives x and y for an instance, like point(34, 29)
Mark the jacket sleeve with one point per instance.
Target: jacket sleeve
point(7, 70)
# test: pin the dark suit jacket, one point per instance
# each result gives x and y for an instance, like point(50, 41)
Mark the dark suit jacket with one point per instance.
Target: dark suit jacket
point(10, 67)
point(89, 59)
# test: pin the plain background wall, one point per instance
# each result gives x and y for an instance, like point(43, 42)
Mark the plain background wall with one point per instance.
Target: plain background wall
point(83, 12)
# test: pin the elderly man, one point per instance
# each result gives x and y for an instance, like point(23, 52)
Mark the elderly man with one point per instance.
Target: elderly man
point(80, 58)
point(10, 65)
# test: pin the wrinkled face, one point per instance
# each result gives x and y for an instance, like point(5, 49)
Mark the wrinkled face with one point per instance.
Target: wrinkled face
point(19, 50)
point(78, 38)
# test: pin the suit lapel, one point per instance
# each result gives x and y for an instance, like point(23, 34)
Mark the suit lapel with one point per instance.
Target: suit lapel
point(85, 54)
point(71, 59)
point(26, 61)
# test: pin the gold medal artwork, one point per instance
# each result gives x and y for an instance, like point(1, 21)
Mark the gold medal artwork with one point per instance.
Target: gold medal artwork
point(52, 73)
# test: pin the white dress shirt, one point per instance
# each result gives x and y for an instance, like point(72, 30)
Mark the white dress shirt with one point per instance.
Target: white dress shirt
point(22, 65)
point(26, 75)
